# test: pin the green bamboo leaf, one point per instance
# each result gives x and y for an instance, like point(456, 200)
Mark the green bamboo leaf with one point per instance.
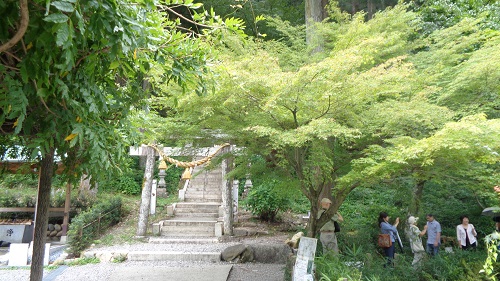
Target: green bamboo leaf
point(63, 6)
point(57, 18)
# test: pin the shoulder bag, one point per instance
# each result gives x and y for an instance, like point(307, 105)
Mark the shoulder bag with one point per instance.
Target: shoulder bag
point(384, 240)
point(337, 226)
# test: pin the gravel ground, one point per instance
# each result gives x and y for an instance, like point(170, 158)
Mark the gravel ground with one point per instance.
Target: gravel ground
point(102, 271)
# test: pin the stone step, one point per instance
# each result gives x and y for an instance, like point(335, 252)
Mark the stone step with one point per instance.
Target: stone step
point(202, 192)
point(189, 222)
point(197, 215)
point(183, 240)
point(190, 200)
point(196, 210)
point(206, 177)
point(173, 231)
point(174, 256)
point(213, 197)
point(210, 207)
point(188, 227)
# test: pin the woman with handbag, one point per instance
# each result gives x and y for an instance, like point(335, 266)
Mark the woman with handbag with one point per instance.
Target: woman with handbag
point(414, 234)
point(387, 228)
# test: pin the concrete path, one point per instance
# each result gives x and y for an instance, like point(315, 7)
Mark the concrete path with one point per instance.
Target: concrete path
point(212, 273)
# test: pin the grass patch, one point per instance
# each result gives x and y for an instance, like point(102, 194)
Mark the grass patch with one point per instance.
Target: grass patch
point(125, 231)
point(83, 261)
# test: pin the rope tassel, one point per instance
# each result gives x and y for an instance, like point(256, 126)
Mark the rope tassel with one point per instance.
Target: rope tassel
point(186, 175)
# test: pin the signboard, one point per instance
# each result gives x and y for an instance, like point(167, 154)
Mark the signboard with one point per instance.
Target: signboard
point(12, 233)
point(304, 264)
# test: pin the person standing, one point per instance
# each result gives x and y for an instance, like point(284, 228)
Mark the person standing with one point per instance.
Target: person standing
point(466, 234)
point(387, 228)
point(433, 229)
point(414, 234)
point(327, 232)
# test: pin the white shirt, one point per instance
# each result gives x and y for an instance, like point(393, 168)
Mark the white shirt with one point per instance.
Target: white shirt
point(471, 233)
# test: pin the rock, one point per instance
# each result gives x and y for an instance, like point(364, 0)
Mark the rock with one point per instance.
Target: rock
point(247, 255)
point(294, 241)
point(88, 254)
point(240, 232)
point(59, 234)
point(238, 253)
point(50, 227)
point(104, 256)
point(57, 227)
point(270, 253)
point(53, 233)
point(232, 252)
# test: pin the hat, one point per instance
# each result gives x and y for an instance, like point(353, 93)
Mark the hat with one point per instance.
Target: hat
point(325, 200)
point(412, 220)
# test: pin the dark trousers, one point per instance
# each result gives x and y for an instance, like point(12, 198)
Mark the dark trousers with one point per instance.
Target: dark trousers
point(389, 255)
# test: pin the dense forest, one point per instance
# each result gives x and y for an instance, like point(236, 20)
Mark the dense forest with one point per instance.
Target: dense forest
point(378, 105)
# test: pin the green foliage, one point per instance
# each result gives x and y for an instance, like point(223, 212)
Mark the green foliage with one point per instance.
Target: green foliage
point(18, 181)
point(172, 178)
point(491, 267)
point(439, 14)
point(83, 261)
point(128, 182)
point(333, 268)
point(265, 201)
point(252, 11)
point(463, 266)
point(89, 225)
point(26, 197)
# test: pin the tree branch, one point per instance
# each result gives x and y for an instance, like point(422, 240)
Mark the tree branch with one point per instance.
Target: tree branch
point(23, 5)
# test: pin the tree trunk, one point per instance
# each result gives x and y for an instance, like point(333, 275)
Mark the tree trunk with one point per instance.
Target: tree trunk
point(354, 6)
point(315, 12)
point(313, 222)
point(227, 194)
point(42, 215)
point(147, 183)
point(417, 198)
point(370, 6)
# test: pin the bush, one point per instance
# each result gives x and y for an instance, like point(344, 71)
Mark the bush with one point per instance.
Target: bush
point(265, 201)
point(88, 225)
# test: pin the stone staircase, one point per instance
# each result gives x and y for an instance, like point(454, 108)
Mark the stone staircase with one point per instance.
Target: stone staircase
point(198, 215)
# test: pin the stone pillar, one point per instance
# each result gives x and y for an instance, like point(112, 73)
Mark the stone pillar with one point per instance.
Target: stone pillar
point(227, 194)
point(146, 192)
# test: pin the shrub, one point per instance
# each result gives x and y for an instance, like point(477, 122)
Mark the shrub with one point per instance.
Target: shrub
point(88, 225)
point(265, 201)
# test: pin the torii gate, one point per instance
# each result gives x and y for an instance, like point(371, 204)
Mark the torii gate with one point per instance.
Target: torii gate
point(229, 194)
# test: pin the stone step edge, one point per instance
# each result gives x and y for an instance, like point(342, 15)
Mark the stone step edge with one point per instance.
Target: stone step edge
point(193, 240)
point(174, 256)
point(111, 256)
